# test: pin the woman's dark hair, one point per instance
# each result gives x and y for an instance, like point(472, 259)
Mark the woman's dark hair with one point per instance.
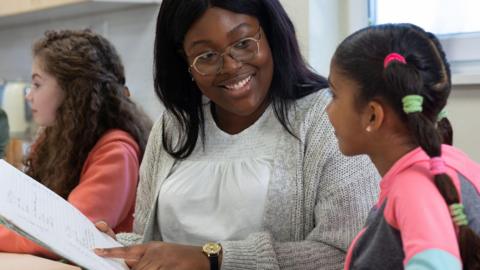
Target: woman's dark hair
point(292, 78)
point(91, 75)
point(426, 73)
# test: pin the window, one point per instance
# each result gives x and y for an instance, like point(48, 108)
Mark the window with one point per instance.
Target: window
point(456, 23)
point(442, 17)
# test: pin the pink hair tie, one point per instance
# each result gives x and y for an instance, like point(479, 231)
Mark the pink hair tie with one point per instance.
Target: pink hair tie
point(393, 57)
point(437, 166)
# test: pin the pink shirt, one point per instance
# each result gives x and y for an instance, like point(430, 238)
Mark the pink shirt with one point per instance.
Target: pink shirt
point(411, 222)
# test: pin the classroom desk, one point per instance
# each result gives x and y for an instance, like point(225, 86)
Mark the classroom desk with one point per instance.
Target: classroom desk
point(11, 261)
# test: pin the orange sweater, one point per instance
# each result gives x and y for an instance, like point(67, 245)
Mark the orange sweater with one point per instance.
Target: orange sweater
point(106, 190)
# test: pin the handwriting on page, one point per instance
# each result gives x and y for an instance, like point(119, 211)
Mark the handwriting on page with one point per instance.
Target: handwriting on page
point(84, 237)
point(28, 208)
point(47, 218)
point(35, 207)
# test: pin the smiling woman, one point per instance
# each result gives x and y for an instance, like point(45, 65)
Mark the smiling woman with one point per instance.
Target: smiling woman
point(241, 75)
point(244, 161)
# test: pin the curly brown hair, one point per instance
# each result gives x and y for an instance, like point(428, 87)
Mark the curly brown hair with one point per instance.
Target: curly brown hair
point(90, 72)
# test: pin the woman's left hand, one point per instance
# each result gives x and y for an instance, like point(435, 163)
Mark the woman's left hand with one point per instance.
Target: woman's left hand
point(159, 255)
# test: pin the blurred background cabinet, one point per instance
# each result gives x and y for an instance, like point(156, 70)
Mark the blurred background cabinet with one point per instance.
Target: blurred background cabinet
point(17, 113)
point(21, 12)
point(15, 152)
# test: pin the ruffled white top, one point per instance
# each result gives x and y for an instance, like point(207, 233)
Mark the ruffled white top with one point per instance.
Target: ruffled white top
point(219, 191)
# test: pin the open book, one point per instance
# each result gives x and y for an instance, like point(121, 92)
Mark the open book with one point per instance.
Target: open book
point(36, 212)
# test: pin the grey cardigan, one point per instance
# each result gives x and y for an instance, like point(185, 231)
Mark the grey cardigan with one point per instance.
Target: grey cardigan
point(317, 200)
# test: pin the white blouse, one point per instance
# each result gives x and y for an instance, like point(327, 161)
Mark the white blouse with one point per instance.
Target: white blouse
point(219, 191)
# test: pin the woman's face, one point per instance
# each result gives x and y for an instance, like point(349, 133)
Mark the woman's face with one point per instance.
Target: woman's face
point(239, 88)
point(45, 96)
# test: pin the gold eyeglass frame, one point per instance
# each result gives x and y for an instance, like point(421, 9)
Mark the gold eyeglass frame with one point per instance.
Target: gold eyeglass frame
point(227, 51)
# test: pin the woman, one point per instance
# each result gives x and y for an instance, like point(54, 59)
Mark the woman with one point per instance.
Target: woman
point(244, 155)
point(93, 136)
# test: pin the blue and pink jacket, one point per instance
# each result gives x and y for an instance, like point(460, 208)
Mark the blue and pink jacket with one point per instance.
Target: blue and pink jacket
point(410, 226)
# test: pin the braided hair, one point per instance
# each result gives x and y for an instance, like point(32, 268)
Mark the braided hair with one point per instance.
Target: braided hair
point(425, 73)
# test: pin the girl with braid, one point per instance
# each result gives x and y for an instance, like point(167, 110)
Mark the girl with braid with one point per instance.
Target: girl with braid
point(92, 135)
point(390, 84)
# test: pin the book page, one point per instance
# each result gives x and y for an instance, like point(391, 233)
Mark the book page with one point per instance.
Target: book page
point(35, 211)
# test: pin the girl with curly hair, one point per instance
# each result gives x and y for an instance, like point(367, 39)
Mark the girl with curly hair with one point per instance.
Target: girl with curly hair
point(92, 135)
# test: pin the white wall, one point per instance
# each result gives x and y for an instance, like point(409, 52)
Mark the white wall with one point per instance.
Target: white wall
point(322, 24)
point(132, 32)
point(298, 12)
point(464, 112)
point(316, 33)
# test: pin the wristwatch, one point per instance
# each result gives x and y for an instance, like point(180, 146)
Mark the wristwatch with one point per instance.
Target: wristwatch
point(212, 250)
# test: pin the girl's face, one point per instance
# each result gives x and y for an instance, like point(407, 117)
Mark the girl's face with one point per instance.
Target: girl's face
point(240, 88)
point(344, 114)
point(45, 96)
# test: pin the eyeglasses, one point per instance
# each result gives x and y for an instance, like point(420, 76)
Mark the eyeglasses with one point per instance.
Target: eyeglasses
point(211, 63)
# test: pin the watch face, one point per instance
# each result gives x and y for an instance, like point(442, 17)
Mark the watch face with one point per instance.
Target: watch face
point(212, 248)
